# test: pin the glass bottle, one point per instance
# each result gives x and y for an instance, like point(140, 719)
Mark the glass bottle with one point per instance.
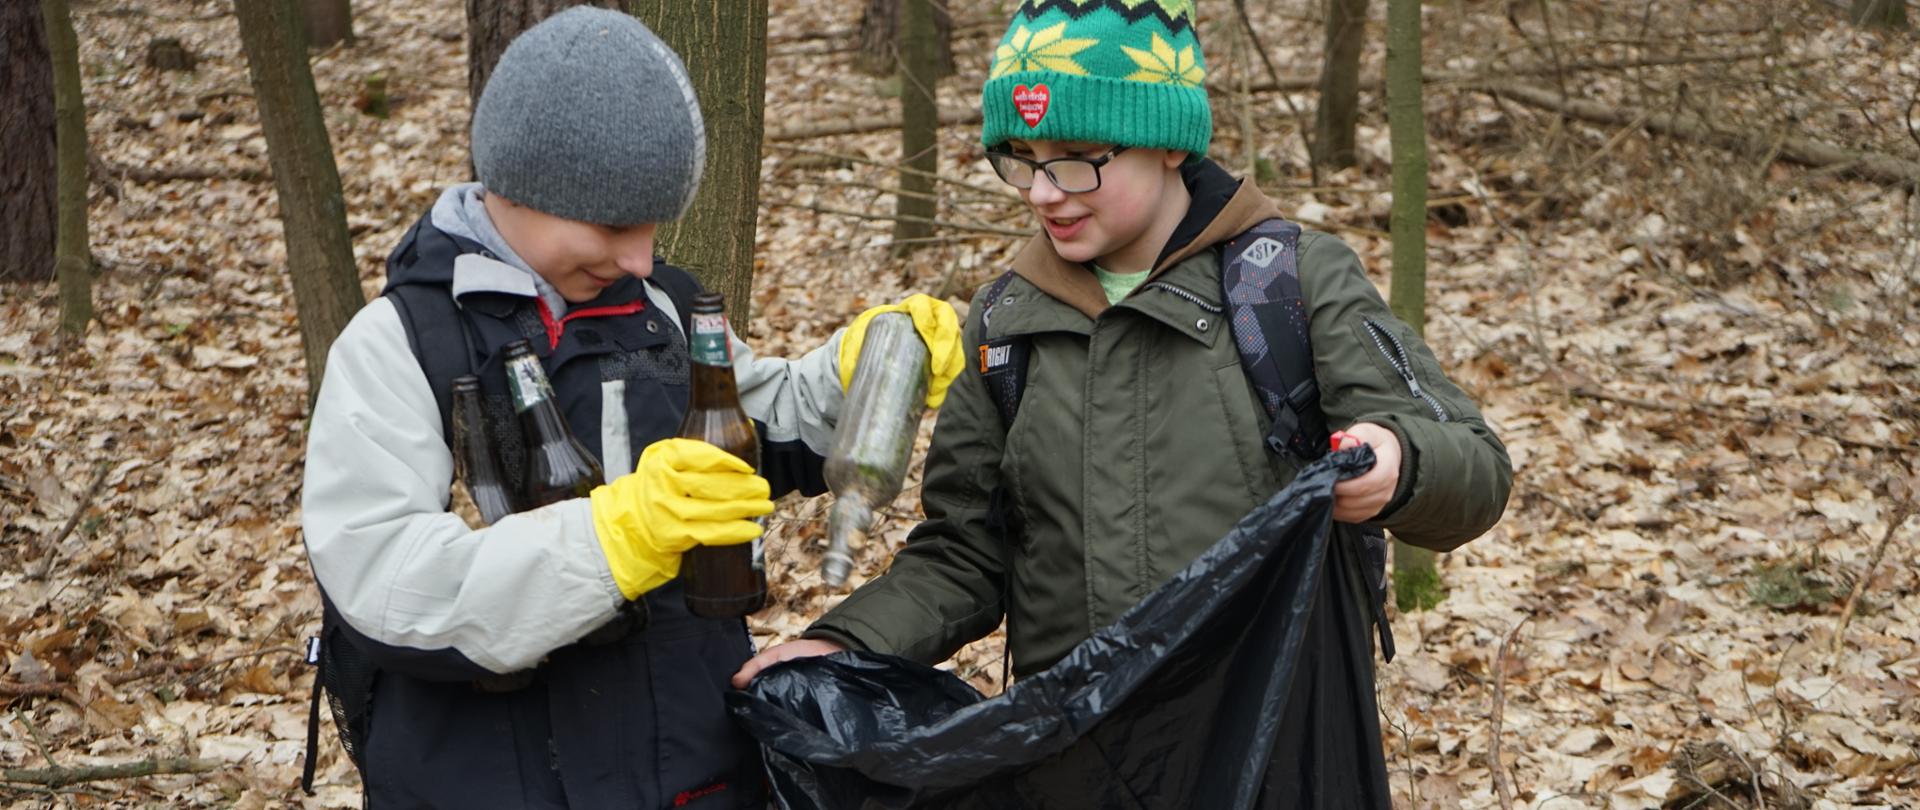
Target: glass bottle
point(868, 459)
point(558, 465)
point(720, 581)
point(474, 462)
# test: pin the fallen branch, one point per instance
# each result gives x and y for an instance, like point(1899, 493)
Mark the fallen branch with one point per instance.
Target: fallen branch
point(999, 193)
point(862, 124)
point(1881, 168)
point(1500, 784)
point(60, 776)
point(937, 223)
point(50, 689)
point(139, 174)
point(79, 511)
point(1860, 586)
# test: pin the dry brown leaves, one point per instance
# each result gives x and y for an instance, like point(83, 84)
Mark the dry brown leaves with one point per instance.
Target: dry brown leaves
point(1701, 364)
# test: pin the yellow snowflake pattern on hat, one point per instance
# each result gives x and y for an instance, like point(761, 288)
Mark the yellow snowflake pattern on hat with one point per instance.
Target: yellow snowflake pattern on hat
point(1165, 66)
point(1047, 49)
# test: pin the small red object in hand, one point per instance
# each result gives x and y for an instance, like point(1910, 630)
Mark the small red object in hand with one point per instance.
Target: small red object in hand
point(1341, 437)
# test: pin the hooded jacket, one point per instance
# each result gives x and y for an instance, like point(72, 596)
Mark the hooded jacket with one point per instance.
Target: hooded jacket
point(436, 603)
point(1139, 442)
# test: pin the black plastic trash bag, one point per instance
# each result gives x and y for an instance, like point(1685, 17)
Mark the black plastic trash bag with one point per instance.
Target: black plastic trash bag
point(1245, 681)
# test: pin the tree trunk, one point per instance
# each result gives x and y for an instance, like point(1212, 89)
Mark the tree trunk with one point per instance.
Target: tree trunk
point(916, 204)
point(492, 24)
point(73, 258)
point(1339, 107)
point(27, 171)
point(724, 45)
point(1888, 14)
point(327, 21)
point(882, 31)
point(313, 216)
point(1416, 581)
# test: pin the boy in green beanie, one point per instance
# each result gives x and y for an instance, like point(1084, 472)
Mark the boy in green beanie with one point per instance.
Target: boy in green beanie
point(1138, 440)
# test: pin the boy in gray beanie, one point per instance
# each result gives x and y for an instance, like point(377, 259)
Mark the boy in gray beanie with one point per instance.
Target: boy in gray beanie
point(548, 660)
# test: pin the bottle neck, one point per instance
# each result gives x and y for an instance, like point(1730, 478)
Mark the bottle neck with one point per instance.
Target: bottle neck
point(708, 345)
point(533, 401)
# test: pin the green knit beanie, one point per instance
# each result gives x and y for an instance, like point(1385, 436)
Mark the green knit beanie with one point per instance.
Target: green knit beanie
point(1125, 72)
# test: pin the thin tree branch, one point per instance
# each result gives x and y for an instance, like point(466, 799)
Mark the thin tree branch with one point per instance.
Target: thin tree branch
point(1900, 516)
point(956, 226)
point(79, 511)
point(60, 777)
point(1499, 716)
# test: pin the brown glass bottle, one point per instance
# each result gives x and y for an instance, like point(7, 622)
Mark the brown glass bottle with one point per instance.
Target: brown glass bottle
point(474, 462)
point(558, 466)
point(720, 581)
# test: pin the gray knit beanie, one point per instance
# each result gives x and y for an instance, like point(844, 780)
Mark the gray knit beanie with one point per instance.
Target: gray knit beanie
point(588, 116)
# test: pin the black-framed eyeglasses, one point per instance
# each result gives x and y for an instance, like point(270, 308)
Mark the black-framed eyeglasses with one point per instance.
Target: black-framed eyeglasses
point(1074, 175)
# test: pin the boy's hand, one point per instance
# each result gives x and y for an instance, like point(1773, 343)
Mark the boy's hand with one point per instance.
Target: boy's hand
point(937, 324)
point(683, 493)
point(1357, 500)
point(804, 648)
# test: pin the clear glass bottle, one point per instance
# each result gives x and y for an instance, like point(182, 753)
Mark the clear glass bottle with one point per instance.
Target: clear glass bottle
point(868, 459)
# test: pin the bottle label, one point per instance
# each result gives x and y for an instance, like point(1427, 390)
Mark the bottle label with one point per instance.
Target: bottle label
point(529, 385)
point(760, 548)
point(709, 345)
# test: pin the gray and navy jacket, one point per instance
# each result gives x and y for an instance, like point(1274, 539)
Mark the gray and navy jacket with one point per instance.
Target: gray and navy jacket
point(437, 604)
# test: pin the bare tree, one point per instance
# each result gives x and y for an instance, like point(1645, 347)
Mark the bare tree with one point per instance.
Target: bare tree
point(1416, 581)
point(313, 215)
point(327, 21)
point(883, 38)
point(73, 259)
point(917, 203)
point(27, 173)
point(724, 44)
point(1339, 107)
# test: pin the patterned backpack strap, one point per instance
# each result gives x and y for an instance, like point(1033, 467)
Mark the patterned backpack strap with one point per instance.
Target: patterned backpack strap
point(1003, 361)
point(1260, 275)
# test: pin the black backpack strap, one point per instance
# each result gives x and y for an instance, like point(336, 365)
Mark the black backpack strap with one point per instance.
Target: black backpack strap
point(441, 339)
point(1260, 276)
point(313, 714)
point(680, 287)
point(1003, 361)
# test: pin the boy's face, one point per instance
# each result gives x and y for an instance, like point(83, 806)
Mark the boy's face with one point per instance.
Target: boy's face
point(579, 259)
point(1122, 224)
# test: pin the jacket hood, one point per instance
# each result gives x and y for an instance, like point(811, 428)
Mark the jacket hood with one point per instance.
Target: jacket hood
point(1222, 207)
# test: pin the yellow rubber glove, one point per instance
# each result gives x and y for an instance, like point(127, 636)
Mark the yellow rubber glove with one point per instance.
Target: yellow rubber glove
point(683, 493)
point(937, 324)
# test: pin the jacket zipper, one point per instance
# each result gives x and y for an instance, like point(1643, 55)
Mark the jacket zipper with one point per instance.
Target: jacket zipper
point(1397, 357)
point(1190, 297)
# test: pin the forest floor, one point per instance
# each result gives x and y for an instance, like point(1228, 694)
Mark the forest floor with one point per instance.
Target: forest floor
point(1700, 356)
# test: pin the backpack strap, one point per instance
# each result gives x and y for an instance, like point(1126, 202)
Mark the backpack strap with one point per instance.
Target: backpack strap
point(1260, 276)
point(441, 339)
point(680, 287)
point(1003, 361)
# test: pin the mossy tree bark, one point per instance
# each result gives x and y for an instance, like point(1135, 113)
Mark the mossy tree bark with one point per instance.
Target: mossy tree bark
point(73, 257)
point(28, 171)
point(1416, 580)
point(313, 215)
point(724, 45)
point(917, 202)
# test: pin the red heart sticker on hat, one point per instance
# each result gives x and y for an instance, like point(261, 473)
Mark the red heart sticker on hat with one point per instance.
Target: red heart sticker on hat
point(1031, 102)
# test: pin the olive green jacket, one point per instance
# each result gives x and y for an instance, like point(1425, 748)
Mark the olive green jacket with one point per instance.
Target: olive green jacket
point(1139, 442)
